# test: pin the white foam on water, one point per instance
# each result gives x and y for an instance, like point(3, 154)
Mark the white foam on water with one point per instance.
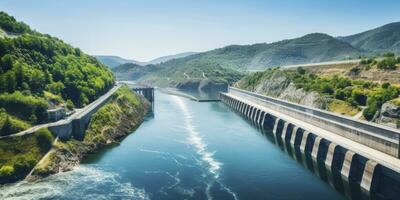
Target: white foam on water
point(207, 156)
point(84, 182)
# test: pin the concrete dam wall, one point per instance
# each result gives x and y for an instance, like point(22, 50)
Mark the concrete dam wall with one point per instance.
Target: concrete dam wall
point(384, 139)
point(358, 172)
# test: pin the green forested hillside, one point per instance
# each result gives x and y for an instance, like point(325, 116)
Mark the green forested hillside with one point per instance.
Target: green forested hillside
point(314, 47)
point(38, 72)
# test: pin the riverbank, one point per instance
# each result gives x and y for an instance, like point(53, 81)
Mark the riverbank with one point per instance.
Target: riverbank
point(123, 113)
point(116, 119)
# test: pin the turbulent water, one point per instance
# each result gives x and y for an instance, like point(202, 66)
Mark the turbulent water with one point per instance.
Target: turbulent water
point(186, 150)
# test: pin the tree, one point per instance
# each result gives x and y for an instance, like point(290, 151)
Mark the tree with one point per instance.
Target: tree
point(301, 70)
point(385, 85)
point(7, 127)
point(359, 96)
point(6, 62)
point(326, 88)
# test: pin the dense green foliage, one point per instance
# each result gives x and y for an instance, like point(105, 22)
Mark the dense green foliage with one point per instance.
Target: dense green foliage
point(34, 67)
point(9, 24)
point(354, 92)
point(18, 155)
point(389, 62)
point(10, 124)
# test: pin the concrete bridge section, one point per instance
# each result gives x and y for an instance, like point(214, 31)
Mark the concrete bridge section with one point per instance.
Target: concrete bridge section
point(75, 125)
point(345, 150)
point(146, 92)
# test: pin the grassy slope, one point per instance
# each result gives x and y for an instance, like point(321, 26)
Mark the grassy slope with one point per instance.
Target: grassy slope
point(346, 94)
point(117, 118)
point(18, 155)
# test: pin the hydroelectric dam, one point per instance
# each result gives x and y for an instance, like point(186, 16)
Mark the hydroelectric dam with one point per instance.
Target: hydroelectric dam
point(359, 158)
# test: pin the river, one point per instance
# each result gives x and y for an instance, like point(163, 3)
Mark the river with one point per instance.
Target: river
point(185, 150)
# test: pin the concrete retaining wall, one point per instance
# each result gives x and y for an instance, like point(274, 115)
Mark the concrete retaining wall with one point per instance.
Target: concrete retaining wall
point(75, 127)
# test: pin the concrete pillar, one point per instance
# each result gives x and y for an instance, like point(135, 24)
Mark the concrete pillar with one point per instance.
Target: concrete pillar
point(293, 137)
point(304, 141)
point(276, 126)
point(263, 119)
point(329, 156)
point(368, 176)
point(255, 115)
point(236, 105)
point(259, 116)
point(346, 172)
point(284, 130)
point(315, 149)
point(251, 112)
point(348, 159)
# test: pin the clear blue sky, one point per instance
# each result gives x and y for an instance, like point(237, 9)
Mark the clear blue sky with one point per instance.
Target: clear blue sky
point(145, 29)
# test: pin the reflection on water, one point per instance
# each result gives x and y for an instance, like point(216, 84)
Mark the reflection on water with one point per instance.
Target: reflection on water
point(202, 95)
point(349, 188)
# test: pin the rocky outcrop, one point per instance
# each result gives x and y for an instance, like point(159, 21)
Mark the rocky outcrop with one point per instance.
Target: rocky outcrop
point(390, 115)
point(278, 85)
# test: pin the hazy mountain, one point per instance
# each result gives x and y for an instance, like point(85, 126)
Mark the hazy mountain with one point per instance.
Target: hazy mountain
point(170, 57)
point(314, 47)
point(131, 71)
point(382, 39)
point(113, 61)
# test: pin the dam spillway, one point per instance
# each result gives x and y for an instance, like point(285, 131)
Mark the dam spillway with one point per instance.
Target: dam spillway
point(364, 165)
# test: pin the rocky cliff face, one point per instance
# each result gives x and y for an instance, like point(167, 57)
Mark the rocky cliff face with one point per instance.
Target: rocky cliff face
point(278, 85)
point(390, 114)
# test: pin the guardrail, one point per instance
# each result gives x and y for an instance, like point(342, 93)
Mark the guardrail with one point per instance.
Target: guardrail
point(376, 136)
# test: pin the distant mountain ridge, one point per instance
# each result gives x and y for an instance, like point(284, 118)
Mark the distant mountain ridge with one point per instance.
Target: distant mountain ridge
point(310, 48)
point(114, 61)
point(379, 40)
point(170, 57)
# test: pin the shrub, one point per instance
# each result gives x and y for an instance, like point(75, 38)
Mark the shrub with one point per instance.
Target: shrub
point(369, 112)
point(326, 88)
point(301, 70)
point(24, 164)
point(389, 63)
point(385, 85)
point(340, 94)
point(45, 139)
point(359, 97)
point(10, 125)
point(6, 171)
point(24, 106)
point(389, 54)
